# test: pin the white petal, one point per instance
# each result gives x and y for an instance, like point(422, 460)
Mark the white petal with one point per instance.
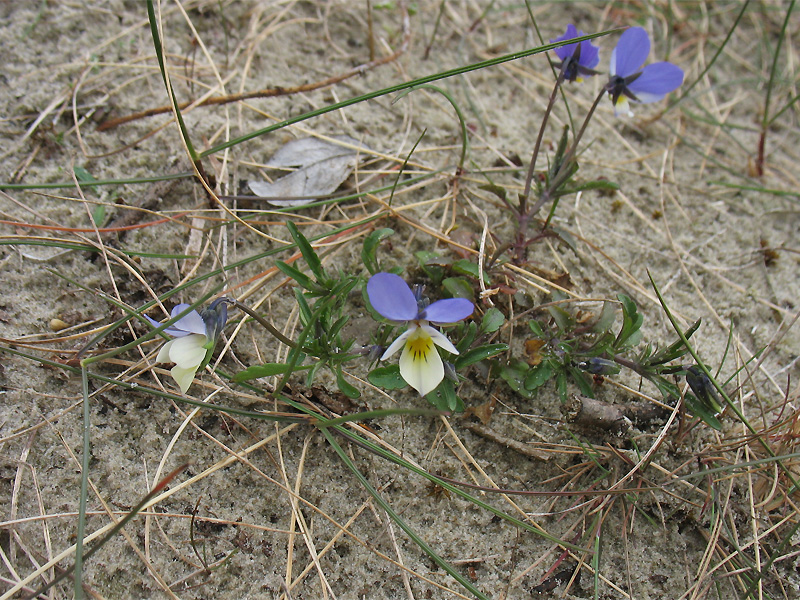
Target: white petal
point(420, 364)
point(612, 65)
point(440, 339)
point(188, 352)
point(163, 354)
point(398, 343)
point(183, 377)
point(623, 107)
point(647, 97)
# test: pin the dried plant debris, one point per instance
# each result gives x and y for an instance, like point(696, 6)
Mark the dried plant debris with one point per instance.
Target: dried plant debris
point(323, 165)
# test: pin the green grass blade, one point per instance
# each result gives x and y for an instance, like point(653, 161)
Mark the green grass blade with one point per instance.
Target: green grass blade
point(398, 88)
point(151, 16)
point(400, 522)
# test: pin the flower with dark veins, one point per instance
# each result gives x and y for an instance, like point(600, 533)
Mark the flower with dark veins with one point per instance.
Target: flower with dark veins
point(420, 364)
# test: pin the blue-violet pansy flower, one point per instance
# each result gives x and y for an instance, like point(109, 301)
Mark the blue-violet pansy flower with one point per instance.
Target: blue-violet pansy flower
point(629, 81)
point(194, 337)
point(578, 59)
point(420, 364)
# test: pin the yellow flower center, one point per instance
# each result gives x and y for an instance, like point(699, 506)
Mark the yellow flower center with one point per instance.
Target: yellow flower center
point(420, 345)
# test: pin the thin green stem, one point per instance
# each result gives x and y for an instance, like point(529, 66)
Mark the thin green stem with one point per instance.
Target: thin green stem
point(397, 519)
point(774, 68)
point(151, 16)
point(78, 583)
point(459, 114)
point(564, 169)
point(378, 414)
point(523, 200)
point(713, 60)
point(166, 395)
point(399, 87)
point(263, 322)
point(701, 365)
point(550, 62)
point(94, 183)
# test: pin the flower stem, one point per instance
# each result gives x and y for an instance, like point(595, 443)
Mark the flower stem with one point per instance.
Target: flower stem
point(523, 201)
point(564, 169)
point(262, 321)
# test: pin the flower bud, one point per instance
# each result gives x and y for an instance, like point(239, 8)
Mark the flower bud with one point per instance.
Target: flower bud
point(599, 366)
point(703, 389)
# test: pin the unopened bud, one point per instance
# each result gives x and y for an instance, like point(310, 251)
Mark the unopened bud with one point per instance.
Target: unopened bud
point(599, 366)
point(450, 372)
point(703, 388)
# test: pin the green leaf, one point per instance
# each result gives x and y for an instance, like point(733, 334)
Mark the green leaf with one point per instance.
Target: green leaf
point(607, 317)
point(675, 350)
point(668, 389)
point(492, 320)
point(388, 378)
point(563, 320)
point(538, 376)
point(470, 333)
point(370, 248)
point(514, 375)
point(301, 278)
point(536, 329)
point(561, 385)
point(83, 175)
point(629, 335)
point(593, 185)
point(458, 287)
point(581, 380)
point(305, 310)
point(697, 409)
point(478, 354)
point(346, 388)
point(565, 237)
point(265, 370)
point(498, 191)
point(99, 214)
point(432, 259)
point(431, 265)
point(308, 253)
point(467, 267)
point(312, 373)
point(444, 397)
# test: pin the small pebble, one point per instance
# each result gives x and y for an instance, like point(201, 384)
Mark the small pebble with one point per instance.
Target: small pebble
point(57, 325)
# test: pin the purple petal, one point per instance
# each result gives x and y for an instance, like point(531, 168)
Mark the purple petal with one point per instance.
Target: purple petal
point(565, 52)
point(190, 323)
point(656, 81)
point(171, 331)
point(449, 310)
point(391, 297)
point(590, 54)
point(630, 53)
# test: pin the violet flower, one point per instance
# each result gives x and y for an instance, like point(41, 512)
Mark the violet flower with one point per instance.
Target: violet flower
point(629, 81)
point(195, 335)
point(420, 364)
point(578, 59)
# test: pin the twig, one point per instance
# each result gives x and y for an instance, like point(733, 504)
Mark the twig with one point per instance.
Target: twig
point(270, 92)
point(491, 434)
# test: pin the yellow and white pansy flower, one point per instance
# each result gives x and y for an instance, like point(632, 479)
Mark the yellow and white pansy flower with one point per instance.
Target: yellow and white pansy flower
point(420, 364)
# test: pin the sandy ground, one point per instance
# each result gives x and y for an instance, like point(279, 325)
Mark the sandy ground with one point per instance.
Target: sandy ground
point(276, 512)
